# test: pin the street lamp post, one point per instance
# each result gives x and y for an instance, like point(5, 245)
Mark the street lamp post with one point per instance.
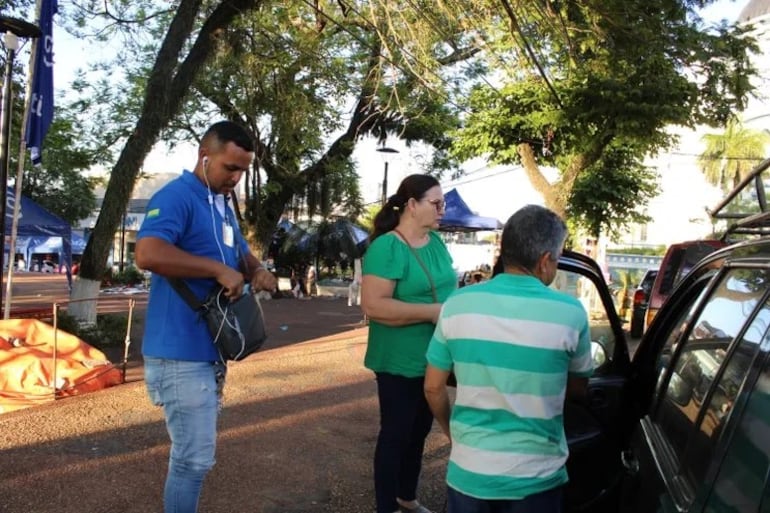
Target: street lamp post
point(13, 29)
point(122, 243)
point(386, 154)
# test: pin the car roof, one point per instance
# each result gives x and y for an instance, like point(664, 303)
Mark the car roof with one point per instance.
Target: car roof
point(745, 208)
point(695, 242)
point(752, 251)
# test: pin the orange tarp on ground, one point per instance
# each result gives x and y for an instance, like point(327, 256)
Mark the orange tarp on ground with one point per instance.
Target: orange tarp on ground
point(27, 365)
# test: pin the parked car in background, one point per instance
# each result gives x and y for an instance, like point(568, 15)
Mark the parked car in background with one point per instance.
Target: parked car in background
point(677, 262)
point(640, 300)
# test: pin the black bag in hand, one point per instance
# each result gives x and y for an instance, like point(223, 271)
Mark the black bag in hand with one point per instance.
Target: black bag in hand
point(238, 326)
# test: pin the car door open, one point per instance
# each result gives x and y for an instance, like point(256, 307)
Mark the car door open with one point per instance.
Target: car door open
point(593, 427)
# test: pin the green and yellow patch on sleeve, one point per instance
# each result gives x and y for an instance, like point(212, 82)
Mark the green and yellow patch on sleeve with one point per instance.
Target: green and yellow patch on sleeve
point(155, 212)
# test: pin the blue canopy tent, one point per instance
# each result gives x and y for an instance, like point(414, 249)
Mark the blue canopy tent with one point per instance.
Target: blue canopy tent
point(35, 221)
point(458, 217)
point(51, 245)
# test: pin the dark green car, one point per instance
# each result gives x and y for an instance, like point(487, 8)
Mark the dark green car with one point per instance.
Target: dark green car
point(684, 426)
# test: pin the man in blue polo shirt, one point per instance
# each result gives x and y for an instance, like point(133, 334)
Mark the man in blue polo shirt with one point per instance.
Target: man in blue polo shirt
point(190, 232)
point(517, 349)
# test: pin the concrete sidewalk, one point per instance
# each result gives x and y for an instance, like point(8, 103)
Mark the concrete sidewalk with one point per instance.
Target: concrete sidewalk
point(288, 321)
point(297, 434)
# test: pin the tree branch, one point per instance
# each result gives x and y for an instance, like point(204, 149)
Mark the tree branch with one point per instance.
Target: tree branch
point(459, 55)
point(167, 86)
point(515, 27)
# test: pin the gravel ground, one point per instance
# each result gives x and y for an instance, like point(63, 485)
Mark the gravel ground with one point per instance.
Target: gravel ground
point(297, 434)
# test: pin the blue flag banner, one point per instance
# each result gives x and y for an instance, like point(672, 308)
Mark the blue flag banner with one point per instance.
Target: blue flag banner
point(41, 104)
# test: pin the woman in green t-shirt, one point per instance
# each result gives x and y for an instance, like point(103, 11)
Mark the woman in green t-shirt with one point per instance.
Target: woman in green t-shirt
point(407, 276)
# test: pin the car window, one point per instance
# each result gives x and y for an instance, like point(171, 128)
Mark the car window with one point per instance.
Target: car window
point(670, 270)
point(679, 327)
point(679, 262)
point(740, 485)
point(709, 369)
point(587, 293)
point(647, 281)
point(691, 256)
point(722, 397)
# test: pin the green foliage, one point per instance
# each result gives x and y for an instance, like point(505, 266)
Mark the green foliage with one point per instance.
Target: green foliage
point(129, 276)
point(730, 156)
point(289, 74)
point(109, 330)
point(366, 219)
point(109, 92)
point(612, 193)
point(611, 74)
point(293, 73)
point(59, 185)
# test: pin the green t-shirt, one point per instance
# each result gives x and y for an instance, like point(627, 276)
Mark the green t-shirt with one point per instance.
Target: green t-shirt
point(401, 349)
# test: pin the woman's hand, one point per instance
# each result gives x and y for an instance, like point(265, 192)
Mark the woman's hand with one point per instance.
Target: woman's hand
point(378, 304)
point(436, 311)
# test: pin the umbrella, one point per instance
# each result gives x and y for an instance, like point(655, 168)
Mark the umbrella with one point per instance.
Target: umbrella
point(331, 240)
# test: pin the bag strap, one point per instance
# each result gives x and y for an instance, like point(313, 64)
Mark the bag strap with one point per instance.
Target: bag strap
point(422, 264)
point(184, 291)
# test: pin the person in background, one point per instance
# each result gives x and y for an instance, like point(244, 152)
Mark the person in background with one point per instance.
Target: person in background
point(354, 289)
point(311, 280)
point(517, 348)
point(407, 275)
point(190, 232)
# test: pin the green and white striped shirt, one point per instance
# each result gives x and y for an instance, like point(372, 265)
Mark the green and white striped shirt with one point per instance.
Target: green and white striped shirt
point(512, 342)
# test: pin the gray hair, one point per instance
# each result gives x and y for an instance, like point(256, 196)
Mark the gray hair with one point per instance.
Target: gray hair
point(529, 233)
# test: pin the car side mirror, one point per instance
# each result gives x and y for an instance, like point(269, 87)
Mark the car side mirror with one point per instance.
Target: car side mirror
point(598, 354)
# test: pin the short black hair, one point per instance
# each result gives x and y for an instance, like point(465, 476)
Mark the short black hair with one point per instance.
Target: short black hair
point(228, 131)
point(529, 233)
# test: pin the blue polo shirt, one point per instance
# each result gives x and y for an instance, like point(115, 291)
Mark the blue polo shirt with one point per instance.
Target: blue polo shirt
point(180, 214)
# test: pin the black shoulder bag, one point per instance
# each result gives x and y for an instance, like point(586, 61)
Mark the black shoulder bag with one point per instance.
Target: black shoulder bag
point(237, 326)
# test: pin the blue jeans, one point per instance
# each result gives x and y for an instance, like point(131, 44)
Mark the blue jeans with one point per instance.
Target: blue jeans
point(405, 421)
point(549, 501)
point(190, 394)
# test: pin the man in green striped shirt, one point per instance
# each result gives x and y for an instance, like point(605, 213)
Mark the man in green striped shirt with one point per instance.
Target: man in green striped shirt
point(517, 349)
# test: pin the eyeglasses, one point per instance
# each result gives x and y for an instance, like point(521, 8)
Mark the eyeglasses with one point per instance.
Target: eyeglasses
point(438, 204)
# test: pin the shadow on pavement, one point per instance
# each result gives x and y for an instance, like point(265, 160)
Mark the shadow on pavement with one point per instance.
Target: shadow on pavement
point(297, 435)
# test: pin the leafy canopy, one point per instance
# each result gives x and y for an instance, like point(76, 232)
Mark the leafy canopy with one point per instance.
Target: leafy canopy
point(584, 79)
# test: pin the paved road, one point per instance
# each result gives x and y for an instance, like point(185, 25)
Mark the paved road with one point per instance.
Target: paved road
point(297, 433)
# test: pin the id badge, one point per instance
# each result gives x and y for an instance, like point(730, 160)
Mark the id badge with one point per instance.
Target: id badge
point(227, 235)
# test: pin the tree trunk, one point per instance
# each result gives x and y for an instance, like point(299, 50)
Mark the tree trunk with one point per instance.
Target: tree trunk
point(555, 195)
point(167, 87)
point(550, 192)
